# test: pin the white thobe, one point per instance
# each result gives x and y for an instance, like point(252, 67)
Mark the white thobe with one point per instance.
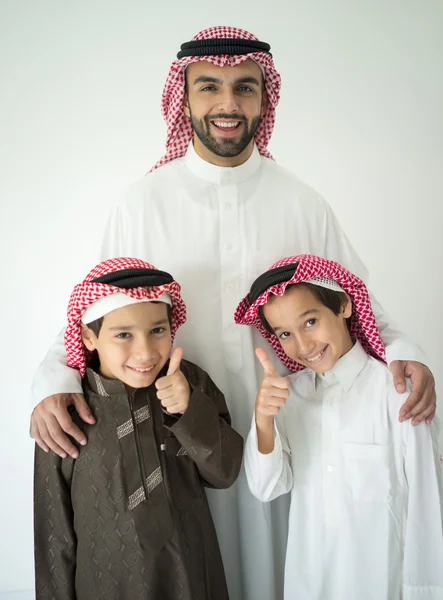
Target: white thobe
point(366, 513)
point(215, 230)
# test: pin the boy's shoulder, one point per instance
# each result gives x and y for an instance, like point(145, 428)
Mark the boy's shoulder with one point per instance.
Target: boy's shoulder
point(380, 370)
point(197, 376)
point(302, 382)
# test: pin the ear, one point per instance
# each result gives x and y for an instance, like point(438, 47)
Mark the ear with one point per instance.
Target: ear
point(264, 103)
point(186, 106)
point(347, 308)
point(88, 337)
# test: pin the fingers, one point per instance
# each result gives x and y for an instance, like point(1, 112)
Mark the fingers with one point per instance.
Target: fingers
point(83, 410)
point(280, 391)
point(69, 427)
point(421, 408)
point(174, 361)
point(421, 402)
point(175, 404)
point(36, 435)
point(173, 391)
point(397, 368)
point(51, 422)
point(270, 407)
point(431, 416)
point(265, 362)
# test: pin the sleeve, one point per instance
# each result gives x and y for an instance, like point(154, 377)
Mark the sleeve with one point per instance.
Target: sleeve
point(423, 553)
point(337, 247)
point(269, 475)
point(55, 543)
point(118, 238)
point(205, 432)
point(53, 376)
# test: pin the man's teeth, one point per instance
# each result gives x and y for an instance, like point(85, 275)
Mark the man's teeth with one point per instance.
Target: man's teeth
point(227, 125)
point(316, 357)
point(142, 370)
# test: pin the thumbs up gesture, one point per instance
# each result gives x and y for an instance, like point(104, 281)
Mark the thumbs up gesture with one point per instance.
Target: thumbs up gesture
point(173, 390)
point(273, 391)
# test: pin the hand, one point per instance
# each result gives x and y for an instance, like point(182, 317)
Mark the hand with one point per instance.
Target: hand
point(50, 421)
point(273, 391)
point(173, 390)
point(422, 402)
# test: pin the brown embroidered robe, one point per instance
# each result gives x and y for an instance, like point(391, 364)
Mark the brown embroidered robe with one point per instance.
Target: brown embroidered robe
point(129, 518)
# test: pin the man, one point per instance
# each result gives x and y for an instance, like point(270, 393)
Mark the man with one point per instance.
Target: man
point(220, 212)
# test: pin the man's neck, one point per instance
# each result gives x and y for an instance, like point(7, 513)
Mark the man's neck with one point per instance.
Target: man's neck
point(222, 161)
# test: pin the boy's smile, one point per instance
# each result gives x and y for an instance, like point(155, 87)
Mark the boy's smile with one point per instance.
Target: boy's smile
point(309, 332)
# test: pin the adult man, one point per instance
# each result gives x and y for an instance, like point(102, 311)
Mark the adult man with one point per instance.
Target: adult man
point(217, 213)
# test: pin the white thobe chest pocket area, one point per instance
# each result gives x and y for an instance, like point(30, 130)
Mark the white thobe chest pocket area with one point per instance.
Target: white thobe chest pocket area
point(367, 474)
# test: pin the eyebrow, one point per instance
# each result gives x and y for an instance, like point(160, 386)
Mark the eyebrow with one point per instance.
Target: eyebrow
point(304, 314)
point(208, 79)
point(131, 327)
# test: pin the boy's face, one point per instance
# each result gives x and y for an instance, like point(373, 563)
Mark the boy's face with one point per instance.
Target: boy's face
point(309, 332)
point(133, 344)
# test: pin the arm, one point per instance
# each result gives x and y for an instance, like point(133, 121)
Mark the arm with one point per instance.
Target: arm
point(55, 543)
point(423, 553)
point(56, 386)
point(267, 458)
point(53, 376)
point(269, 475)
point(405, 359)
point(205, 431)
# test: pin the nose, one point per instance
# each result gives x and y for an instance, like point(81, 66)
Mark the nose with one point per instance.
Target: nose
point(142, 349)
point(228, 101)
point(304, 344)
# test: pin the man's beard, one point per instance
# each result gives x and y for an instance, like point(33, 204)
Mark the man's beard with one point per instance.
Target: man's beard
point(225, 147)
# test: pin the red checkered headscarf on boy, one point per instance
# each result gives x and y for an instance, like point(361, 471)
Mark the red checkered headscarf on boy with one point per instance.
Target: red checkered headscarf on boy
point(224, 46)
point(317, 271)
point(130, 280)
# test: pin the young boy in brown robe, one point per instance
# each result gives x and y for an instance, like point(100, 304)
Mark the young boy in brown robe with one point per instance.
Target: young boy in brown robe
point(128, 519)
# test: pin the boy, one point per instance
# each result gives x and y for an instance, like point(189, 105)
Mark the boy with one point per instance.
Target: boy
point(129, 518)
point(366, 490)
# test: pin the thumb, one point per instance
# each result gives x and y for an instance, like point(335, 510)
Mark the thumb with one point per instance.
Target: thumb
point(174, 361)
point(78, 400)
point(265, 361)
point(397, 368)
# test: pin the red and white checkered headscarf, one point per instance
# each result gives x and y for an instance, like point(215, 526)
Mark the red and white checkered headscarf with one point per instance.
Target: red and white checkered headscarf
point(363, 323)
point(180, 129)
point(87, 292)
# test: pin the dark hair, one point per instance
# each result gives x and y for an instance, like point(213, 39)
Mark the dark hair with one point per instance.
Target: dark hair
point(95, 326)
point(329, 298)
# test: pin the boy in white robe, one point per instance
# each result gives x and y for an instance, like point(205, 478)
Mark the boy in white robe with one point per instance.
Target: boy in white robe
point(366, 490)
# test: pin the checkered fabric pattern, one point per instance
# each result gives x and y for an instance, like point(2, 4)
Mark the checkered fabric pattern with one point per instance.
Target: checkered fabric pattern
point(179, 125)
point(87, 292)
point(363, 325)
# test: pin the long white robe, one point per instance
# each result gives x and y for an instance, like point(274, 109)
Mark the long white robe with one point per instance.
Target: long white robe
point(366, 490)
point(215, 230)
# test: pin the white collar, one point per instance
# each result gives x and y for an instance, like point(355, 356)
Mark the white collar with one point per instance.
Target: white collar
point(221, 175)
point(346, 369)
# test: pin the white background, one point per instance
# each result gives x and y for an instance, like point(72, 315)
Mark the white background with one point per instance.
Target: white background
point(360, 120)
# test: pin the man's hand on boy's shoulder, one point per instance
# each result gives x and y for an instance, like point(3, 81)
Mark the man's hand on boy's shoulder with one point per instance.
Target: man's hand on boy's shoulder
point(422, 401)
point(173, 389)
point(51, 421)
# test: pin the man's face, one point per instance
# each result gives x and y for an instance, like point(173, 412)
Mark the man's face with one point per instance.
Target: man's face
point(133, 344)
point(309, 332)
point(225, 105)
